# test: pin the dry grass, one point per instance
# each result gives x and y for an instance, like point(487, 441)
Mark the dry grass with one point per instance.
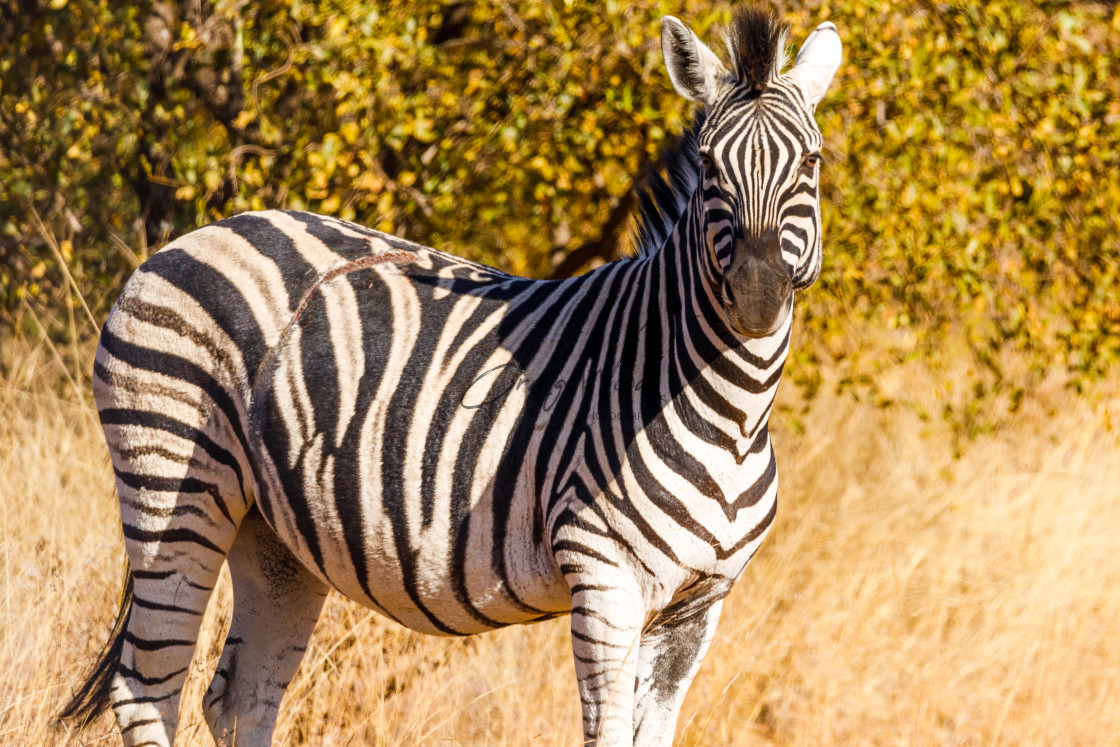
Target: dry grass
point(903, 597)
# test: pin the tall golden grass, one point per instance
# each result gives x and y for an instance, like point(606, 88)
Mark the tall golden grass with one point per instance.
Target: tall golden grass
point(904, 596)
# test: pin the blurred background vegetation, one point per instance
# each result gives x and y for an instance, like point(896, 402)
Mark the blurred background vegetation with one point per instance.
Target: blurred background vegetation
point(971, 176)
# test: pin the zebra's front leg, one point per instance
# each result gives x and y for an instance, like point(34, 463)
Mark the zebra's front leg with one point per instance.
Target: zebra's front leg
point(669, 657)
point(606, 635)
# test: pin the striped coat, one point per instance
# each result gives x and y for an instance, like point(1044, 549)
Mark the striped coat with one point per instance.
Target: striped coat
point(325, 406)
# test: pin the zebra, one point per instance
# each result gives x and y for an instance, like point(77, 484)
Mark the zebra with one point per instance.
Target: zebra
point(323, 406)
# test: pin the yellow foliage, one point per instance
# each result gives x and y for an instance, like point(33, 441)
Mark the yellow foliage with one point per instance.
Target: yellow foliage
point(969, 187)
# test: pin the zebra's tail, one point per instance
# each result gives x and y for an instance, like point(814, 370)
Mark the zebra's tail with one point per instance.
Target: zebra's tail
point(92, 698)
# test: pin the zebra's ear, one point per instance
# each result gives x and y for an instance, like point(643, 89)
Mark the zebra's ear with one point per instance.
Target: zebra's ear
point(694, 69)
point(817, 62)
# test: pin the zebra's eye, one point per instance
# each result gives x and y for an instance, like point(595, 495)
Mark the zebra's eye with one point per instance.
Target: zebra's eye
point(707, 162)
point(810, 160)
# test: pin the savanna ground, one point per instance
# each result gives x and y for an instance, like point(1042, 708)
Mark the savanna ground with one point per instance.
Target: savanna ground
point(905, 595)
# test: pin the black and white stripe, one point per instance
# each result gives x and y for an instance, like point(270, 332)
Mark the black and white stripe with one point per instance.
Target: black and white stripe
point(326, 406)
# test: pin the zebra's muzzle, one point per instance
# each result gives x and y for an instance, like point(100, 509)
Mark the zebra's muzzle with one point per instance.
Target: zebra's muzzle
point(757, 289)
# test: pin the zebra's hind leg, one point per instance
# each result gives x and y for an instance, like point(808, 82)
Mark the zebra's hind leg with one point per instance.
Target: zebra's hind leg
point(176, 547)
point(276, 602)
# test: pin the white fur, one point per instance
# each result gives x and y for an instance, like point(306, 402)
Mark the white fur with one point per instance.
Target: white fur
point(817, 63)
point(696, 60)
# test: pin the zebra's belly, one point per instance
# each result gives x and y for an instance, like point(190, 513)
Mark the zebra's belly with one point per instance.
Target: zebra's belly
point(435, 557)
point(406, 509)
point(437, 573)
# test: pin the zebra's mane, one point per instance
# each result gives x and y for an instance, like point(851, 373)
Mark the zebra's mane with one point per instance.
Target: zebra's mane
point(756, 42)
point(667, 187)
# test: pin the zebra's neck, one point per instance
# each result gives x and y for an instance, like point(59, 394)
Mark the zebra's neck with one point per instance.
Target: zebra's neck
point(639, 348)
point(715, 384)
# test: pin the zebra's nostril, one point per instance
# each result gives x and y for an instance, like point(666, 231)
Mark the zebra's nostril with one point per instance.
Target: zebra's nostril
point(787, 287)
point(725, 291)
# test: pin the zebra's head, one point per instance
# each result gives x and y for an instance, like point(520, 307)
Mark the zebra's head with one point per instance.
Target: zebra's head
point(759, 148)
